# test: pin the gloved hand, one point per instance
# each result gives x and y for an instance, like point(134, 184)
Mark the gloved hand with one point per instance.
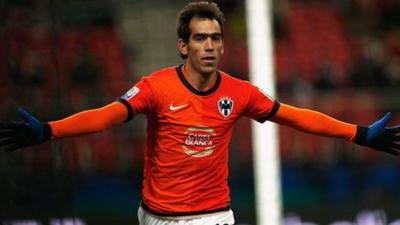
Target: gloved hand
point(380, 137)
point(15, 135)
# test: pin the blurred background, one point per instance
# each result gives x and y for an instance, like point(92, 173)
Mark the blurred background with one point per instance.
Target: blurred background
point(60, 57)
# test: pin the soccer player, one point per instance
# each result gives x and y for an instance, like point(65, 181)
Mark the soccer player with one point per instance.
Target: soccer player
point(191, 109)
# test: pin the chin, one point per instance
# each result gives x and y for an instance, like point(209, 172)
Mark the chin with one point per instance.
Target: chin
point(209, 68)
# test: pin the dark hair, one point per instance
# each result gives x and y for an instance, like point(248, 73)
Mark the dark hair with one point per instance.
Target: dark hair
point(200, 9)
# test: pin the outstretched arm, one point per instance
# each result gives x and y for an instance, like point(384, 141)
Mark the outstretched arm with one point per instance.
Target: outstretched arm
point(15, 135)
point(90, 121)
point(314, 122)
point(376, 136)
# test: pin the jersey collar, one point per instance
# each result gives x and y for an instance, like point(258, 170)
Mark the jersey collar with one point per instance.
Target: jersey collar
point(194, 90)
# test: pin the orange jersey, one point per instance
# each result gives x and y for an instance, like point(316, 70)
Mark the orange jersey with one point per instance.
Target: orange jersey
point(188, 134)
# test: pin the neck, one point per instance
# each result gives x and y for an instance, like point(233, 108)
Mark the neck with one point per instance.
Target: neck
point(198, 80)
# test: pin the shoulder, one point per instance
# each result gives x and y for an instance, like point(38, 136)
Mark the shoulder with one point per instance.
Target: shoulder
point(229, 80)
point(241, 87)
point(162, 76)
point(161, 81)
point(164, 73)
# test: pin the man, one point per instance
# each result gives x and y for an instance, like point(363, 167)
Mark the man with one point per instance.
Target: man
point(191, 109)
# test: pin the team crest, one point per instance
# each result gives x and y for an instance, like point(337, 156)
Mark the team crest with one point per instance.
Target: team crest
point(225, 106)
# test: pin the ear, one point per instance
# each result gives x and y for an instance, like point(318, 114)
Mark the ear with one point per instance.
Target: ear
point(183, 47)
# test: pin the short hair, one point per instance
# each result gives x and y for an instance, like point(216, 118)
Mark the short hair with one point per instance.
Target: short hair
point(199, 9)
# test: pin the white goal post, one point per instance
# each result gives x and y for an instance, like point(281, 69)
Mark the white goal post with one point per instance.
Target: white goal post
point(265, 137)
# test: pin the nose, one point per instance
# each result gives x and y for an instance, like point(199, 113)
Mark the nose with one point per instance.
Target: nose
point(209, 44)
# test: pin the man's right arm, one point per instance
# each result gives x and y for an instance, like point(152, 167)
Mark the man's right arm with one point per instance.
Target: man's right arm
point(90, 121)
point(15, 135)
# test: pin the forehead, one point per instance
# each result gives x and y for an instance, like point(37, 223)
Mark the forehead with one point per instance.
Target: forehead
point(204, 26)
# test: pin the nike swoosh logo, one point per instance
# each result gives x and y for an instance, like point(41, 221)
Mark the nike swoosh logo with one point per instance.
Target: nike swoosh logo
point(174, 108)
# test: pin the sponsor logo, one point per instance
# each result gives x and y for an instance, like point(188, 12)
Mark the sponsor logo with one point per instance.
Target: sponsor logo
point(175, 108)
point(132, 92)
point(199, 141)
point(225, 106)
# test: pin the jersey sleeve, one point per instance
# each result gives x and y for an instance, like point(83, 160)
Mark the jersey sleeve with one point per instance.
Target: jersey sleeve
point(260, 106)
point(138, 99)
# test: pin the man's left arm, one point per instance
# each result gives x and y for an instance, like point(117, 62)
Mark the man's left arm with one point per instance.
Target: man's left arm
point(376, 136)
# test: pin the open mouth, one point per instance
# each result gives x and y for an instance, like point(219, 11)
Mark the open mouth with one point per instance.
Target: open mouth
point(208, 59)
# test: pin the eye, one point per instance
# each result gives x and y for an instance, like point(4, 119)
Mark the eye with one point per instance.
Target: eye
point(217, 37)
point(199, 37)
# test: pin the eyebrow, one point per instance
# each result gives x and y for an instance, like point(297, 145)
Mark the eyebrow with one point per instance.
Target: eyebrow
point(207, 34)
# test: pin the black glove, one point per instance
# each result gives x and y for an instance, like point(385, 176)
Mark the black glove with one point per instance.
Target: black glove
point(380, 137)
point(15, 135)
